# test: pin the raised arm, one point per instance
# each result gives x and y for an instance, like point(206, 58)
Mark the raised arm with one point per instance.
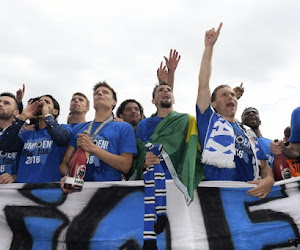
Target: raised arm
point(203, 99)
point(19, 97)
point(29, 111)
point(162, 73)
point(60, 134)
point(10, 141)
point(239, 91)
point(172, 63)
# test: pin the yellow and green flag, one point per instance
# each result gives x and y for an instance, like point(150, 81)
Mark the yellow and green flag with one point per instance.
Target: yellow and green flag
point(178, 134)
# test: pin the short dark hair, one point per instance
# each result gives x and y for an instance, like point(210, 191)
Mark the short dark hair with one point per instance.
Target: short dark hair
point(287, 131)
point(157, 85)
point(55, 103)
point(11, 96)
point(214, 93)
point(121, 108)
point(84, 96)
point(248, 109)
point(104, 84)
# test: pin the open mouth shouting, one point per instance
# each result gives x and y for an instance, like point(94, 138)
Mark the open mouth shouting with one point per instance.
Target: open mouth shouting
point(230, 105)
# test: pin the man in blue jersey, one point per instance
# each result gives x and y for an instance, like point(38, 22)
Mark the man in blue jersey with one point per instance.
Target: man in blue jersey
point(228, 152)
point(250, 118)
point(111, 144)
point(79, 106)
point(163, 99)
point(41, 150)
point(8, 111)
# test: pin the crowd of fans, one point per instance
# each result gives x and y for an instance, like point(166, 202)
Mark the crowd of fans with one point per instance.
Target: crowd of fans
point(36, 148)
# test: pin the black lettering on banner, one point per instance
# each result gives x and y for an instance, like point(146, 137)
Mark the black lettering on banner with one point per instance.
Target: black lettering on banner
point(83, 226)
point(27, 189)
point(217, 229)
point(268, 215)
point(15, 215)
point(130, 244)
point(21, 237)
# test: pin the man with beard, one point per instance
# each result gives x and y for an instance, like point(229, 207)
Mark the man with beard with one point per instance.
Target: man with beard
point(131, 111)
point(8, 111)
point(163, 99)
point(177, 133)
point(41, 150)
point(228, 152)
point(250, 118)
point(162, 96)
point(79, 106)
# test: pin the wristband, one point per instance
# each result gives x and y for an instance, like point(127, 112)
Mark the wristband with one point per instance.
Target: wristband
point(47, 116)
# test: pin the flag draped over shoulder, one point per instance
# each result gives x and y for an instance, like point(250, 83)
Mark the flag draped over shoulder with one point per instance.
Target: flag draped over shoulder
point(178, 134)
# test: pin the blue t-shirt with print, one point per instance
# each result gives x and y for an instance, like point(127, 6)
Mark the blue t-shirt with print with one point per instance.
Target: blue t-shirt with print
point(114, 137)
point(244, 157)
point(265, 144)
point(8, 162)
point(40, 157)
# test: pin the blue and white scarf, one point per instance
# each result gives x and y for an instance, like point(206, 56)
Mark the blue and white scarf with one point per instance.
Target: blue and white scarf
point(155, 200)
point(219, 145)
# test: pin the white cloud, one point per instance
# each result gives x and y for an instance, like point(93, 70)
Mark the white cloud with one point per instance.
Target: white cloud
point(61, 47)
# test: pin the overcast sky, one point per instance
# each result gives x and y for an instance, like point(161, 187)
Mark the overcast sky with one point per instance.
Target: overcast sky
point(60, 47)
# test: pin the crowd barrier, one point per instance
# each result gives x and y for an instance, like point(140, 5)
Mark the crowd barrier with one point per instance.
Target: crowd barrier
point(110, 215)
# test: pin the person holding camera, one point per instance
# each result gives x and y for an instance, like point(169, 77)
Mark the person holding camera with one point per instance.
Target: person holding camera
point(41, 150)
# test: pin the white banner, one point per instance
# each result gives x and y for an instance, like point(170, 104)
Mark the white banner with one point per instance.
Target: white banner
point(110, 215)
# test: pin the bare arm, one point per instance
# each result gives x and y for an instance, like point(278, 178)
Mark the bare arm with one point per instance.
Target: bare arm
point(29, 111)
point(162, 73)
point(19, 97)
point(121, 162)
point(172, 63)
point(63, 167)
point(20, 94)
point(203, 99)
point(291, 151)
point(264, 185)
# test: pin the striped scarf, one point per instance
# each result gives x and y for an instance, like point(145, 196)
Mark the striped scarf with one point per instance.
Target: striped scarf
point(155, 200)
